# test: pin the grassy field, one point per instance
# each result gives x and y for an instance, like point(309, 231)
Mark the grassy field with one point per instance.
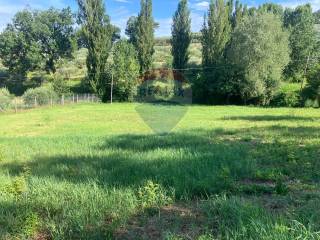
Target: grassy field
point(98, 172)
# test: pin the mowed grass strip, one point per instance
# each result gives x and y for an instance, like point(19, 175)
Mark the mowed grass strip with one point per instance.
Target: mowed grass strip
point(98, 171)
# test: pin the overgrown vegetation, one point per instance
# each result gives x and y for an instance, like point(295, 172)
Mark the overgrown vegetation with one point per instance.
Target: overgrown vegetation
point(233, 60)
point(223, 173)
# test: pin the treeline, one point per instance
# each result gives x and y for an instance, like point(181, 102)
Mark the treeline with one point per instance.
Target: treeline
point(246, 52)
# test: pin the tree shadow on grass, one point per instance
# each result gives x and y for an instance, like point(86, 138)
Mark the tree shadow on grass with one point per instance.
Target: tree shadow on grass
point(194, 162)
point(257, 118)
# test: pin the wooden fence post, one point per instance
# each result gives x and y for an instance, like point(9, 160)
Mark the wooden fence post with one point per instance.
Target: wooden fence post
point(111, 89)
point(15, 105)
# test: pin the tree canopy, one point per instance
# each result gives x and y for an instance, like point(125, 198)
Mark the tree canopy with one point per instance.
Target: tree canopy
point(36, 40)
point(98, 32)
point(262, 55)
point(181, 35)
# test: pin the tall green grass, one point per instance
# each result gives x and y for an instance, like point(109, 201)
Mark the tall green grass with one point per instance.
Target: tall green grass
point(92, 171)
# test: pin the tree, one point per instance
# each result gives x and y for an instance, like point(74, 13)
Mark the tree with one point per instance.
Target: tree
point(302, 38)
point(262, 55)
point(181, 35)
point(131, 29)
point(54, 31)
point(317, 17)
point(238, 14)
point(98, 33)
point(216, 33)
point(144, 36)
point(125, 70)
point(312, 89)
point(36, 40)
point(274, 8)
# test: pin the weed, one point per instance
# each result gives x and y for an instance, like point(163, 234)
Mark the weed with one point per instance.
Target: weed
point(2, 156)
point(153, 195)
point(109, 145)
point(31, 225)
point(18, 186)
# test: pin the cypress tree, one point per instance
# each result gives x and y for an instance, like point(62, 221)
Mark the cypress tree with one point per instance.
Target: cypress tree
point(181, 35)
point(98, 37)
point(216, 32)
point(144, 37)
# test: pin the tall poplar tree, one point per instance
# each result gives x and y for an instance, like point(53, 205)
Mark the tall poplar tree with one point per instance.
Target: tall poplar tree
point(98, 37)
point(181, 35)
point(144, 36)
point(216, 32)
point(302, 39)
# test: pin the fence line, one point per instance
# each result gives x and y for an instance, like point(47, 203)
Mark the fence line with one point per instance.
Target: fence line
point(19, 103)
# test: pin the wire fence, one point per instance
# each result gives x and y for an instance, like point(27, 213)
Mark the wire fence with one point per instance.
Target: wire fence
point(18, 103)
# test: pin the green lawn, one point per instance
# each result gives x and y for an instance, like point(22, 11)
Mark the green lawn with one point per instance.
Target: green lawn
point(99, 172)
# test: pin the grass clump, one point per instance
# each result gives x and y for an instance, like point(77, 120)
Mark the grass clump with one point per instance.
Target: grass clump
point(90, 171)
point(153, 195)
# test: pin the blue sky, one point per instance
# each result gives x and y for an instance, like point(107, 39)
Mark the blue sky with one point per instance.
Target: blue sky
point(121, 10)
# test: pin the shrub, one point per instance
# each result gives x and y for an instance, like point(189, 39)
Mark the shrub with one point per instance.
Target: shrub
point(5, 99)
point(287, 96)
point(153, 195)
point(60, 86)
point(2, 156)
point(309, 103)
point(39, 96)
point(312, 89)
point(125, 71)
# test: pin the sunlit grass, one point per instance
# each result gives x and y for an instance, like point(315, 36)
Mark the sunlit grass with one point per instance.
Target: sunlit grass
point(74, 172)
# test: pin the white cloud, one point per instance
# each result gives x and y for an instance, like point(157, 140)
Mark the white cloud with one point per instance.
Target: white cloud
point(199, 6)
point(294, 3)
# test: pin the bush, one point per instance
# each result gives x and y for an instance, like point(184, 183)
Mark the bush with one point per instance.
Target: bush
point(5, 99)
point(60, 86)
point(287, 96)
point(39, 96)
point(126, 71)
point(312, 89)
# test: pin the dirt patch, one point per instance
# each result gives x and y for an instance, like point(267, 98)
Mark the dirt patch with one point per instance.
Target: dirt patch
point(184, 220)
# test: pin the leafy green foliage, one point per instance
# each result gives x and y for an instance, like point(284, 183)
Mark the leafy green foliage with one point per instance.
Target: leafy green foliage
point(5, 99)
point(181, 35)
point(39, 96)
point(98, 33)
point(31, 225)
point(125, 70)
point(153, 195)
point(2, 154)
point(317, 17)
point(288, 95)
point(144, 35)
point(36, 40)
point(216, 33)
point(263, 69)
point(274, 8)
point(312, 90)
point(60, 86)
point(131, 29)
point(302, 38)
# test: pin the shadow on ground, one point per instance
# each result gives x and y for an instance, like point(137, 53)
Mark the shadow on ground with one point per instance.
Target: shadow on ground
point(194, 163)
point(256, 118)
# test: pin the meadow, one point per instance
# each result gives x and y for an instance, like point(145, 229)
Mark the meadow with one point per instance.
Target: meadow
point(98, 171)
